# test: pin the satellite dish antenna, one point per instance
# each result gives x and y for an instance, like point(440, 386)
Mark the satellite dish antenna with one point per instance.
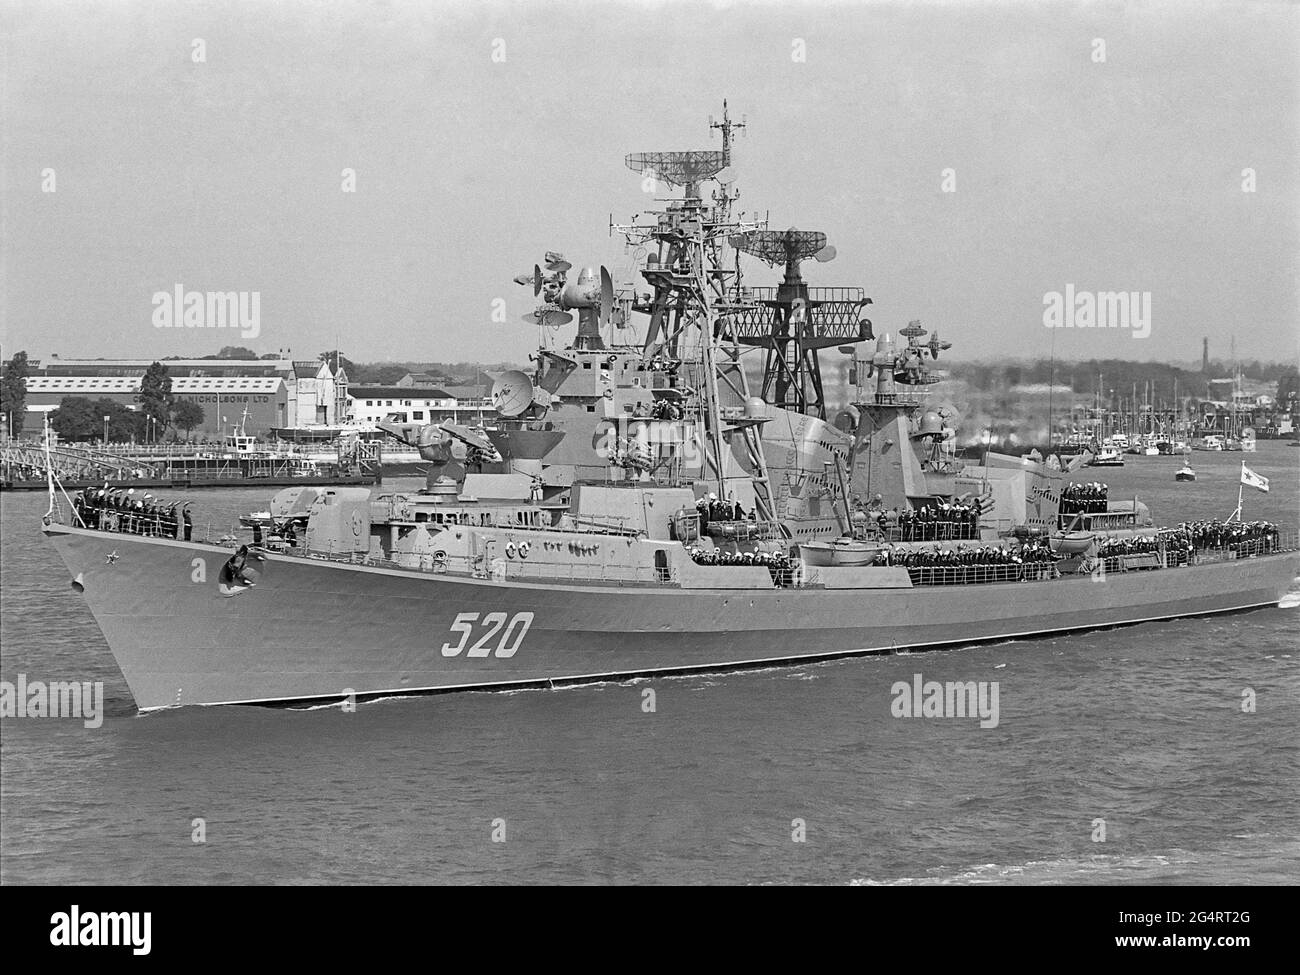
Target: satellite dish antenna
point(512, 393)
point(550, 317)
point(606, 295)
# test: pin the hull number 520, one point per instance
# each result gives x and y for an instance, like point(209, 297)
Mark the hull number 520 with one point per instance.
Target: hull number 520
point(492, 641)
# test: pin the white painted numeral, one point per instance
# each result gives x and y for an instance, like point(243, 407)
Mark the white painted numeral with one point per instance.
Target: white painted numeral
point(521, 620)
point(510, 640)
point(494, 621)
point(464, 625)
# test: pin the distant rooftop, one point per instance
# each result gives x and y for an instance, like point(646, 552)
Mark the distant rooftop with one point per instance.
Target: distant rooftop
point(103, 385)
point(363, 391)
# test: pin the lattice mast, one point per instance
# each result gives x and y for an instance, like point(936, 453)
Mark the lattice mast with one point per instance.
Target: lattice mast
point(793, 323)
point(690, 304)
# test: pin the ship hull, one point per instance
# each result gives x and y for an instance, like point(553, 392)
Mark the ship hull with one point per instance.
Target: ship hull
point(313, 629)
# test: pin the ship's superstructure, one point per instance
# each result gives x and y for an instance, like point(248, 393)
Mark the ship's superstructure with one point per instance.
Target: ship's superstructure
point(665, 492)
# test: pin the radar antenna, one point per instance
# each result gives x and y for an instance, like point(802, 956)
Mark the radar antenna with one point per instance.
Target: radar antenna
point(793, 322)
point(687, 169)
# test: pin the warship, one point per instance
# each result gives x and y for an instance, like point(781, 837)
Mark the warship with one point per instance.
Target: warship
point(667, 490)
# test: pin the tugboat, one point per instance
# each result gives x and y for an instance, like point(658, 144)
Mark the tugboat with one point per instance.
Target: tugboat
point(641, 508)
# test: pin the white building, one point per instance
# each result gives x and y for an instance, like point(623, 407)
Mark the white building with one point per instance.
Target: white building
point(314, 391)
point(413, 404)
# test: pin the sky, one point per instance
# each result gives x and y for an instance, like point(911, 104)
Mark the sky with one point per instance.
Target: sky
point(483, 134)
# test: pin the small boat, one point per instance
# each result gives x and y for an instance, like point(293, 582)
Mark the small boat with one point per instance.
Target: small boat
point(1185, 473)
point(1108, 458)
point(842, 551)
point(1210, 441)
point(1072, 543)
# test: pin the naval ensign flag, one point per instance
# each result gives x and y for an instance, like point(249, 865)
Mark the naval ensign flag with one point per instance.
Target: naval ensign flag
point(1251, 479)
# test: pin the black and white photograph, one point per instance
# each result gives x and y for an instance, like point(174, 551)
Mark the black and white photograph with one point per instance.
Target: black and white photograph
point(651, 443)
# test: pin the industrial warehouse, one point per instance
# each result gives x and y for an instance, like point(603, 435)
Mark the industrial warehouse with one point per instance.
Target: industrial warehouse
point(308, 400)
point(260, 394)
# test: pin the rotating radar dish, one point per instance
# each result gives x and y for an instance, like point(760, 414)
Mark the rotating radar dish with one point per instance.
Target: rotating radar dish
point(512, 393)
point(678, 168)
point(776, 247)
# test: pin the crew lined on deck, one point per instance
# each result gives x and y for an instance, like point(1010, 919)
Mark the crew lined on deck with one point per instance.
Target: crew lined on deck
point(778, 563)
point(1085, 499)
point(1140, 545)
point(118, 510)
point(711, 509)
point(1251, 536)
point(933, 522)
point(963, 564)
point(1182, 543)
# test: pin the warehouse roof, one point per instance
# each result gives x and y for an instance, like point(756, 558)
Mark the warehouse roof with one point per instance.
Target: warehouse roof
point(103, 385)
point(397, 392)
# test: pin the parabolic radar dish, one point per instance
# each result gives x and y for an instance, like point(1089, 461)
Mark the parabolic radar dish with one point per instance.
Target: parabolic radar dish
point(512, 393)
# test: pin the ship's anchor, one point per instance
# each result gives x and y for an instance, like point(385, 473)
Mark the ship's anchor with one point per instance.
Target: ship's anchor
point(241, 571)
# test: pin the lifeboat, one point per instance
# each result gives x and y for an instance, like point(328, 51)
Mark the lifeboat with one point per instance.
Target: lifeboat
point(841, 552)
point(1072, 543)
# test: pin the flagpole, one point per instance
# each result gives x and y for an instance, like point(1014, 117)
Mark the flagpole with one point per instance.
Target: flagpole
point(49, 470)
point(1241, 485)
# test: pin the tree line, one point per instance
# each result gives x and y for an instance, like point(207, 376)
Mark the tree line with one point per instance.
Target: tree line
point(1122, 375)
point(79, 418)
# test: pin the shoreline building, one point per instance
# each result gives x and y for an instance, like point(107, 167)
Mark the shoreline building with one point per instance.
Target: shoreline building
point(277, 393)
point(415, 404)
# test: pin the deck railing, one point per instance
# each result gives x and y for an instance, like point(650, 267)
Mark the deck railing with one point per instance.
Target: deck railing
point(962, 575)
point(515, 569)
